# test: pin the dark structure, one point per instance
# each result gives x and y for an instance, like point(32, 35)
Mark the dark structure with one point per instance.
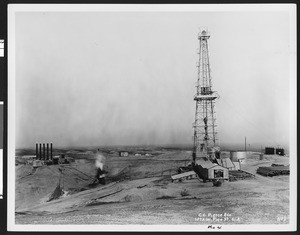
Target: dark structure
point(55, 161)
point(269, 150)
point(274, 170)
point(280, 151)
point(100, 176)
point(44, 155)
point(235, 175)
point(37, 151)
point(42, 152)
point(47, 151)
point(51, 156)
point(40, 155)
point(272, 150)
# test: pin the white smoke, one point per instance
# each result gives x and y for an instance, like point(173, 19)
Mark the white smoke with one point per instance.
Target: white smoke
point(99, 161)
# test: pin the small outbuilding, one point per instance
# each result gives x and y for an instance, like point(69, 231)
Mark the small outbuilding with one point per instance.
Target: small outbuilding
point(280, 151)
point(55, 160)
point(269, 150)
point(123, 154)
point(63, 159)
point(37, 163)
point(272, 151)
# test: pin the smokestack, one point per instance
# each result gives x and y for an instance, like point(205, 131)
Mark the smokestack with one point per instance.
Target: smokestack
point(43, 151)
point(36, 151)
point(47, 151)
point(40, 155)
point(51, 151)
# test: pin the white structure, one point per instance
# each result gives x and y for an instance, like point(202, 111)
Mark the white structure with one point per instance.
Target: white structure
point(123, 154)
point(226, 162)
point(237, 165)
point(29, 157)
point(37, 163)
point(235, 156)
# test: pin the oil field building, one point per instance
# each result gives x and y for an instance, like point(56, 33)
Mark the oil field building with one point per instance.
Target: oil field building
point(279, 151)
point(123, 154)
point(269, 150)
point(212, 171)
point(238, 157)
point(272, 151)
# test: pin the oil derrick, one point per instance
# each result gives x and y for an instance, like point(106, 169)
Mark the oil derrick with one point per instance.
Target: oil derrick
point(205, 121)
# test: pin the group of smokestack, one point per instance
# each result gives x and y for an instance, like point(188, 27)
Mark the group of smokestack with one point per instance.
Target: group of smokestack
point(42, 151)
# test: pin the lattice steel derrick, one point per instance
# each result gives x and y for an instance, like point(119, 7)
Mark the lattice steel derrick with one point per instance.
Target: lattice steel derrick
point(205, 135)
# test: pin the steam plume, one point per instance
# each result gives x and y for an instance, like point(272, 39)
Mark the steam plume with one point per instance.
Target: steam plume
point(99, 161)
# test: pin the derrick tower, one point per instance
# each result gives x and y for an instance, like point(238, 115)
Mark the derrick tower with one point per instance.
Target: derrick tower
point(205, 121)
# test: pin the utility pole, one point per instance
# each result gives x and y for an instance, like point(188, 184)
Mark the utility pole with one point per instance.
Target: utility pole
point(245, 144)
point(205, 121)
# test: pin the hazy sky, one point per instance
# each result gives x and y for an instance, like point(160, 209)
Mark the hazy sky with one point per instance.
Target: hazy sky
point(126, 78)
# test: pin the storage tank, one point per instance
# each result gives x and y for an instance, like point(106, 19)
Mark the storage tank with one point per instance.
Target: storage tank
point(235, 156)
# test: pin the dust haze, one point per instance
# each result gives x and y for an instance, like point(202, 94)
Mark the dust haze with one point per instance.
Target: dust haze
point(124, 78)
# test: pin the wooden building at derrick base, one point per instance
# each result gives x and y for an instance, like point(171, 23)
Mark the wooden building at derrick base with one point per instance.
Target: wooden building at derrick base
point(207, 170)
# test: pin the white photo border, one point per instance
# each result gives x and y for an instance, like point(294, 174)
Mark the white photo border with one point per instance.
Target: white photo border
point(14, 8)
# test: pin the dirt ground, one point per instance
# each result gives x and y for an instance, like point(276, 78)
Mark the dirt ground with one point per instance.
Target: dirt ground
point(139, 191)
